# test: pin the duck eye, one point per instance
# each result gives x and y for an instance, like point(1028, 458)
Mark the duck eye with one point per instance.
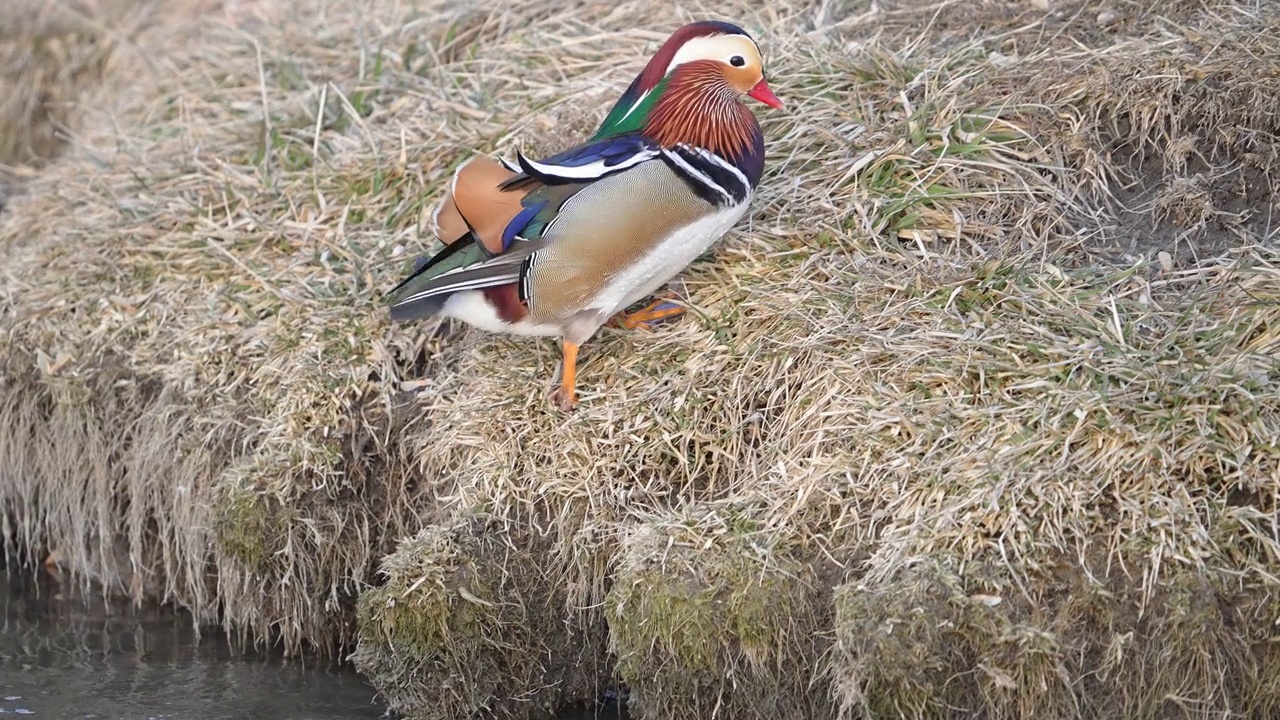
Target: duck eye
point(737, 61)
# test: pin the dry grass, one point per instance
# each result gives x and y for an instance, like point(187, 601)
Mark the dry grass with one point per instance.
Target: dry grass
point(721, 617)
point(464, 620)
point(53, 57)
point(978, 411)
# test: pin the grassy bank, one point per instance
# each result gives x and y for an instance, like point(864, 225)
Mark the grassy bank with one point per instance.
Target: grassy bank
point(52, 58)
point(978, 410)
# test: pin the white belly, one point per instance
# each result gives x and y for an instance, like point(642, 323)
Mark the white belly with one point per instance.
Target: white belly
point(471, 307)
point(665, 260)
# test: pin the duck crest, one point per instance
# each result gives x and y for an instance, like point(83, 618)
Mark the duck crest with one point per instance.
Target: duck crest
point(707, 136)
point(629, 112)
point(696, 111)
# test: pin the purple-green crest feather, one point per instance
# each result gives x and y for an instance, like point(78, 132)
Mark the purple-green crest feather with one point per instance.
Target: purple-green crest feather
point(626, 116)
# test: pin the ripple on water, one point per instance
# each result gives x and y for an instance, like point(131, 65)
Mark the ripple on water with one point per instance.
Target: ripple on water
point(69, 657)
point(12, 706)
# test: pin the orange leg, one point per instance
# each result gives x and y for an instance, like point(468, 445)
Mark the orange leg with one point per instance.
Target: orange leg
point(655, 312)
point(563, 395)
point(50, 563)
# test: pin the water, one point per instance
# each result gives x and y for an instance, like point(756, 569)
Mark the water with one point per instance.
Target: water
point(64, 656)
point(74, 658)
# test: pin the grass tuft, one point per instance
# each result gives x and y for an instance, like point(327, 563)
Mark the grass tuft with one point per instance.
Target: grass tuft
point(706, 619)
point(463, 617)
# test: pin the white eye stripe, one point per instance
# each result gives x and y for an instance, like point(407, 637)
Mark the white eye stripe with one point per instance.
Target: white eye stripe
point(715, 47)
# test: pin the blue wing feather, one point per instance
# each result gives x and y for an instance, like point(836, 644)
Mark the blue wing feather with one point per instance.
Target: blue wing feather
point(611, 151)
point(520, 222)
point(588, 162)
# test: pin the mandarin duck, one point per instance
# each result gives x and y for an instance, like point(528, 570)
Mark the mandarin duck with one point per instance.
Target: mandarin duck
point(559, 246)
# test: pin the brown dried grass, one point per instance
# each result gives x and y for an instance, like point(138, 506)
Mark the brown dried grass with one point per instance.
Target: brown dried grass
point(989, 376)
point(53, 58)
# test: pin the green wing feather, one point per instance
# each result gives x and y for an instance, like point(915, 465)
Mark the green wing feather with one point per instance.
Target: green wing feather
point(466, 265)
point(630, 117)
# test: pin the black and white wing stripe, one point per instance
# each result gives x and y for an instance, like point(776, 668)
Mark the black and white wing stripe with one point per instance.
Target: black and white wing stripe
point(589, 162)
point(713, 178)
point(473, 270)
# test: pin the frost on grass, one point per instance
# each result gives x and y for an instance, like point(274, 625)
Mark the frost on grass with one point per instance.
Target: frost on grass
point(986, 385)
